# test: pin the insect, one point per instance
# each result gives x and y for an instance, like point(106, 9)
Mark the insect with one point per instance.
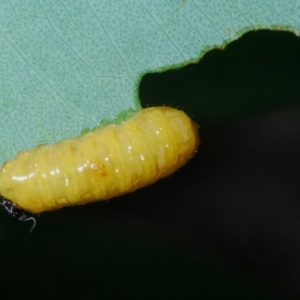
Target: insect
point(99, 165)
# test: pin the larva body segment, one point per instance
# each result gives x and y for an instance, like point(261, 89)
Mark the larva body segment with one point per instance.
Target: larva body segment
point(108, 162)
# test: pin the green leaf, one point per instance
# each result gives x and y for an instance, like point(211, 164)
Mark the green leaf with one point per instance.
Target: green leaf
point(65, 66)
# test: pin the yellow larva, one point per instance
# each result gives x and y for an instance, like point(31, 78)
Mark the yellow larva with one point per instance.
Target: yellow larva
point(108, 162)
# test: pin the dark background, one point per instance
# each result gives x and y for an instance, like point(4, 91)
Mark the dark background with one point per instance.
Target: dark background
point(225, 226)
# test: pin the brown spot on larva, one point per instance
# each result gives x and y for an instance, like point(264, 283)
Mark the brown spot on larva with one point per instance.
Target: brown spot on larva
point(98, 169)
point(62, 201)
point(87, 198)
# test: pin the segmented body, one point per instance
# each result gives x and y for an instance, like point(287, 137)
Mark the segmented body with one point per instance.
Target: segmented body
point(105, 163)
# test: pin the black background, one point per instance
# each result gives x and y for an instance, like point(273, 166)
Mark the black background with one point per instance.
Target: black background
point(225, 226)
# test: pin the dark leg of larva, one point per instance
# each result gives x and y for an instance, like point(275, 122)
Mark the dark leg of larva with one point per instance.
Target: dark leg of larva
point(16, 212)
